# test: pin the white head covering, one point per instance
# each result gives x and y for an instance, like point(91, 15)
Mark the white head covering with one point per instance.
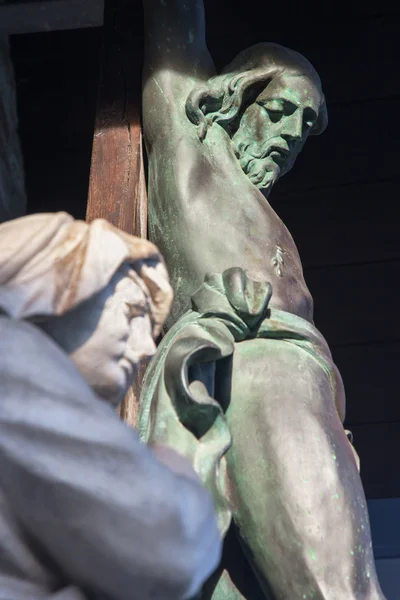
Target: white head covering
point(50, 263)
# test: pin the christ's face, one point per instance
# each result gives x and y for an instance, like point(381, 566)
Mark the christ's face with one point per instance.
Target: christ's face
point(275, 127)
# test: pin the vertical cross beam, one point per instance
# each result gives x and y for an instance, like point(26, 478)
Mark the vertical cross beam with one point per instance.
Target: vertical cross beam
point(117, 188)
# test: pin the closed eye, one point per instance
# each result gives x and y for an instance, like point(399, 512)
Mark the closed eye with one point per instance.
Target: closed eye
point(274, 115)
point(136, 310)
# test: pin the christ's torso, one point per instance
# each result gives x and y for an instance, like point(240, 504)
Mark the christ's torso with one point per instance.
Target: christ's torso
point(206, 216)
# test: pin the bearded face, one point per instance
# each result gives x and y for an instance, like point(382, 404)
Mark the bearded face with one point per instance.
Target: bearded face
point(274, 128)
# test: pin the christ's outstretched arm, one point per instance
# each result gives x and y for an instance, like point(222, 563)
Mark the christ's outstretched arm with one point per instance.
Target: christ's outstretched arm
point(176, 59)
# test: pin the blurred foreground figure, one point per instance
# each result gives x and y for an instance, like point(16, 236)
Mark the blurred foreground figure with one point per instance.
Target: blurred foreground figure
point(86, 510)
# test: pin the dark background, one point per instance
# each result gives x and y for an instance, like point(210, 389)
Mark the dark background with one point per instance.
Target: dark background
point(340, 201)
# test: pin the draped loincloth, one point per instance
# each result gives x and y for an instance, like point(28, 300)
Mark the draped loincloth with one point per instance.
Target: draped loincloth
point(179, 404)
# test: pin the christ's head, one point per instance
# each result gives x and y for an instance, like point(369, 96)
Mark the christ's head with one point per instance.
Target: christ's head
point(269, 100)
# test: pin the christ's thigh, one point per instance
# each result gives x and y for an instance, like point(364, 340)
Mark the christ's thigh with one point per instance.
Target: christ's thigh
point(291, 472)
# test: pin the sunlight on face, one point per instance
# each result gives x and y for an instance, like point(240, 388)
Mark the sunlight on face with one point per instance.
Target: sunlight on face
point(108, 336)
point(274, 128)
point(123, 338)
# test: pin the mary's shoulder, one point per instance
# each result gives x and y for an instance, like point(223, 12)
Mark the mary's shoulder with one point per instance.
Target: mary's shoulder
point(17, 335)
point(29, 354)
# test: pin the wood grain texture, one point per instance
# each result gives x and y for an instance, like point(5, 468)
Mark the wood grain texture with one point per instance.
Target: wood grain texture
point(356, 304)
point(341, 225)
point(12, 184)
point(303, 16)
point(57, 77)
point(355, 58)
point(378, 447)
point(357, 147)
point(49, 15)
point(371, 379)
point(117, 182)
point(117, 188)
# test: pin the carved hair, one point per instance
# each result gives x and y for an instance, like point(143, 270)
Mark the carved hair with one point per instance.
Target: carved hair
point(226, 96)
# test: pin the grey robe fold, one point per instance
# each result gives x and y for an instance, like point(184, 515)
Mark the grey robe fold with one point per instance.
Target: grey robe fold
point(82, 502)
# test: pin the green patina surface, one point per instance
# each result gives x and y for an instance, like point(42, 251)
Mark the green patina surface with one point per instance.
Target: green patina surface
point(243, 384)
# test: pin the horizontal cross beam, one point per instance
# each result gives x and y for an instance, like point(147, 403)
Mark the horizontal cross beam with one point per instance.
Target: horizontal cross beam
point(34, 16)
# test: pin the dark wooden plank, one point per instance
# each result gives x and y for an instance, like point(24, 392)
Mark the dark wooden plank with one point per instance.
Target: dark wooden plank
point(307, 14)
point(57, 78)
point(54, 48)
point(356, 147)
point(12, 186)
point(49, 15)
point(388, 571)
point(379, 449)
point(358, 303)
point(117, 177)
point(372, 381)
point(57, 91)
point(117, 190)
point(58, 180)
point(344, 225)
point(356, 59)
point(385, 527)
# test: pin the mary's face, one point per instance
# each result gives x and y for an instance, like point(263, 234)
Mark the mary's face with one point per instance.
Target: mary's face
point(109, 336)
point(275, 127)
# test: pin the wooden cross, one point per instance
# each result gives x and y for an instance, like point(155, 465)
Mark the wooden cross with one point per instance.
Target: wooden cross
point(117, 188)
